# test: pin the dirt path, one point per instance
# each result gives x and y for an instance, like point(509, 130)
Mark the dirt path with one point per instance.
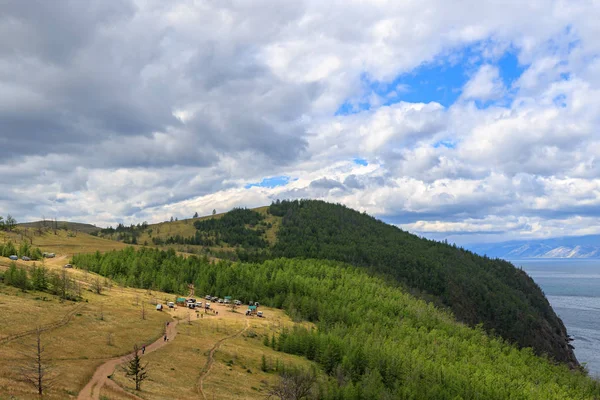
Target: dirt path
point(91, 391)
point(211, 360)
point(44, 328)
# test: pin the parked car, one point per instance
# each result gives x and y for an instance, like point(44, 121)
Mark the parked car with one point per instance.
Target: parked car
point(237, 302)
point(220, 301)
point(171, 304)
point(68, 266)
point(14, 258)
point(191, 305)
point(25, 258)
point(207, 305)
point(260, 314)
point(208, 297)
point(198, 304)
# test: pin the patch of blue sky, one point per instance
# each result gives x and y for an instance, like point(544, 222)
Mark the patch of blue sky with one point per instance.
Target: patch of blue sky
point(270, 182)
point(560, 101)
point(445, 143)
point(439, 81)
point(360, 161)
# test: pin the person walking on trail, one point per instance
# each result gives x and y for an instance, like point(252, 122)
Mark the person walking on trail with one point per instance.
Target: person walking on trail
point(143, 349)
point(165, 338)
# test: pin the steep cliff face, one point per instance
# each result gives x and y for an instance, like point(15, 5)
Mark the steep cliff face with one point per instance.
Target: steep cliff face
point(478, 290)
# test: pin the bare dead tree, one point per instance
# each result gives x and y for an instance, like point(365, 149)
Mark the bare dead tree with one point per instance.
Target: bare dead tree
point(36, 370)
point(293, 385)
point(97, 286)
point(65, 281)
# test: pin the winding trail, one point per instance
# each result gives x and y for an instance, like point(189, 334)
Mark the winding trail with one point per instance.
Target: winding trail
point(53, 325)
point(91, 391)
point(211, 360)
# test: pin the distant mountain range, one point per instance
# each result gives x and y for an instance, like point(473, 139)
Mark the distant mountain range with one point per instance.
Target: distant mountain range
point(564, 247)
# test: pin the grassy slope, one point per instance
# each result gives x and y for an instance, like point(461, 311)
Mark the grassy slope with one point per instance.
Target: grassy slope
point(185, 228)
point(73, 226)
point(62, 243)
point(79, 347)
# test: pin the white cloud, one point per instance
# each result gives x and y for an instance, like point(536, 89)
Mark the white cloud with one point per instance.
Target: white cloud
point(485, 85)
point(142, 110)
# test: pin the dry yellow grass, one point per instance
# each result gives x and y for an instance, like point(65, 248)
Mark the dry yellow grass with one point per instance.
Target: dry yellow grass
point(63, 242)
point(236, 374)
point(108, 325)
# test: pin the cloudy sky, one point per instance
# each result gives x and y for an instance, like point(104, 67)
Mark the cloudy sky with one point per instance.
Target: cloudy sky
point(472, 120)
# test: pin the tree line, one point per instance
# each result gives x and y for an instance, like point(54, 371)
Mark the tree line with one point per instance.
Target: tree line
point(25, 249)
point(372, 338)
point(7, 224)
point(41, 279)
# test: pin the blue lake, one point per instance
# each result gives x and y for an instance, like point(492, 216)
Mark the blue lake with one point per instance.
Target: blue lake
point(573, 289)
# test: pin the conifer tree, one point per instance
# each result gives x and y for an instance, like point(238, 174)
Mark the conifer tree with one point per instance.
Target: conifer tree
point(137, 372)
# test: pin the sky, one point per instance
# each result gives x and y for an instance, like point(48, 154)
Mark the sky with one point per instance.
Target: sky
point(473, 121)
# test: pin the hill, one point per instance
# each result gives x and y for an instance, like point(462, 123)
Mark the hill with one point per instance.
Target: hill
point(478, 290)
point(565, 247)
point(372, 339)
point(204, 235)
point(65, 225)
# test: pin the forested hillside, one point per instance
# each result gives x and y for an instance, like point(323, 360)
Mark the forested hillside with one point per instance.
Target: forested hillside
point(373, 339)
point(477, 289)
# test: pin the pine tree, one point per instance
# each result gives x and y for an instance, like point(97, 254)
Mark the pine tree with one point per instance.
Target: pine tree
point(263, 364)
point(135, 370)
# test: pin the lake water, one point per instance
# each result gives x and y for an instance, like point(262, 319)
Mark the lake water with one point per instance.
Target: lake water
point(573, 289)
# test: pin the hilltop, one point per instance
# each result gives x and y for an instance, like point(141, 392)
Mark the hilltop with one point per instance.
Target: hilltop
point(478, 290)
point(64, 225)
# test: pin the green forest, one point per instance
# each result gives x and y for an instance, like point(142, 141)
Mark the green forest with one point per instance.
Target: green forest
point(477, 289)
point(372, 338)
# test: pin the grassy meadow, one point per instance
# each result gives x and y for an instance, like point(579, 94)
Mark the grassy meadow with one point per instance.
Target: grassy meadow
point(106, 325)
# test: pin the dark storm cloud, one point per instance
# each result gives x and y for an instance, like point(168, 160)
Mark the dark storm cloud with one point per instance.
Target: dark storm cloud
point(79, 74)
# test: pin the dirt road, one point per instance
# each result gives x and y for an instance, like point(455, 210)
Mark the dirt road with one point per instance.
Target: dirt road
point(44, 328)
point(91, 391)
point(211, 360)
